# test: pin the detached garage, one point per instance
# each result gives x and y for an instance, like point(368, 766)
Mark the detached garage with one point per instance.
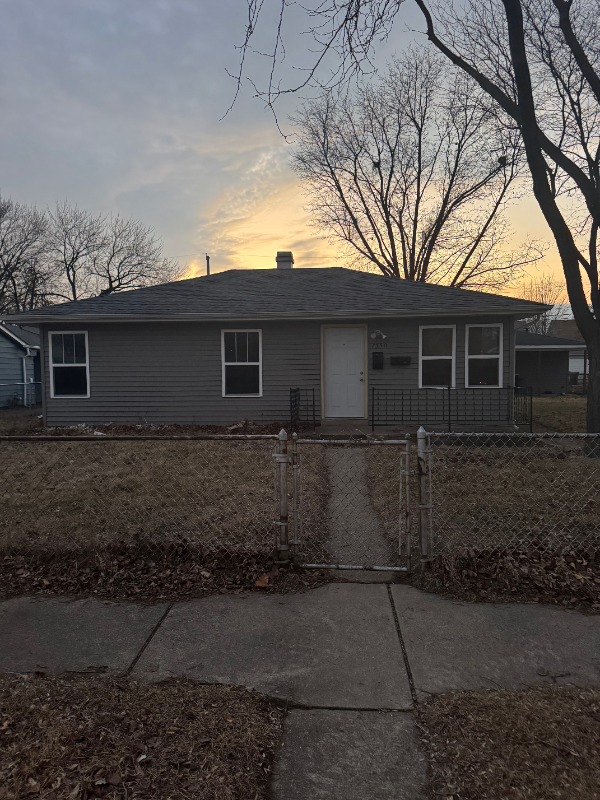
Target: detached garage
point(542, 362)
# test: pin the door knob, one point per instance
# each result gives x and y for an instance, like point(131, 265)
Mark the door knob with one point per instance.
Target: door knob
point(362, 380)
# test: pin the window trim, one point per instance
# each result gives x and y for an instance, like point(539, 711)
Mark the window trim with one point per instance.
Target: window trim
point(234, 363)
point(500, 355)
point(433, 358)
point(53, 366)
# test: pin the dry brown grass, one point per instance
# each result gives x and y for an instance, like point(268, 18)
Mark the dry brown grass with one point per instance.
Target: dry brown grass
point(383, 476)
point(98, 738)
point(208, 496)
point(560, 414)
point(537, 744)
point(503, 498)
point(543, 497)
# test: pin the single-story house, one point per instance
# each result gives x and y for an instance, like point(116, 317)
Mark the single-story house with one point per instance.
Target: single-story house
point(20, 371)
point(542, 362)
point(238, 344)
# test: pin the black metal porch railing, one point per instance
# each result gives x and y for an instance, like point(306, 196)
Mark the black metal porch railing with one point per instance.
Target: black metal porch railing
point(302, 407)
point(451, 408)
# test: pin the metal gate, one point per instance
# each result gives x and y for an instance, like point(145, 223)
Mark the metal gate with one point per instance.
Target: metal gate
point(344, 503)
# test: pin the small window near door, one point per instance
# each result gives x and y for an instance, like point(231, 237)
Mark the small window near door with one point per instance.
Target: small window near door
point(242, 363)
point(436, 362)
point(484, 355)
point(69, 368)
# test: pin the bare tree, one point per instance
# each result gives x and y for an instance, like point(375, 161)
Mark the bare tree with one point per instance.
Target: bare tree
point(92, 255)
point(75, 239)
point(130, 257)
point(413, 175)
point(539, 61)
point(23, 281)
point(548, 290)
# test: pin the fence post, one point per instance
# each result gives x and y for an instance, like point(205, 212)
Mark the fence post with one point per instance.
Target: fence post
point(281, 460)
point(424, 504)
point(404, 521)
point(296, 522)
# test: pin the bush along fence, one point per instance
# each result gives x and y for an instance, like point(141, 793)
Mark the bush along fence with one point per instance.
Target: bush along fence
point(341, 503)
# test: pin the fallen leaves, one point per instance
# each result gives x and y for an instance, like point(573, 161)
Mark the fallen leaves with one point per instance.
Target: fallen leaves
point(539, 744)
point(129, 574)
point(263, 581)
point(568, 579)
point(220, 739)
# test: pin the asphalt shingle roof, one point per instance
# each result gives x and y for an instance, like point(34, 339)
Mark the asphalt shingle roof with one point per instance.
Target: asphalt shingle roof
point(283, 293)
point(27, 337)
point(526, 339)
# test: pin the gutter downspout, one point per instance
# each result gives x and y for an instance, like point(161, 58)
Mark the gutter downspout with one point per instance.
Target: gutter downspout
point(24, 363)
point(25, 382)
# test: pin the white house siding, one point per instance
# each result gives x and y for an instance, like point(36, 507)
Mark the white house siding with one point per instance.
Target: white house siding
point(171, 372)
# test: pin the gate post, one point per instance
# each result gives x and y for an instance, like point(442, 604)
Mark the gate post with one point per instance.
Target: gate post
point(281, 462)
point(424, 499)
point(296, 520)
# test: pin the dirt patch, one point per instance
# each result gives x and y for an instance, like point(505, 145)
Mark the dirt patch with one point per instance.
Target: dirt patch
point(561, 414)
point(132, 575)
point(20, 421)
point(84, 738)
point(538, 744)
point(567, 579)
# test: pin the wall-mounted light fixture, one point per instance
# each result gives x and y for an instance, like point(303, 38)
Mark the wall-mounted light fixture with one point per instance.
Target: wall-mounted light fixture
point(378, 335)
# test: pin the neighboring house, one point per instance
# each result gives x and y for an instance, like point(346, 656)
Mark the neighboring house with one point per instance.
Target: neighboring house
point(542, 362)
point(20, 372)
point(216, 349)
point(578, 359)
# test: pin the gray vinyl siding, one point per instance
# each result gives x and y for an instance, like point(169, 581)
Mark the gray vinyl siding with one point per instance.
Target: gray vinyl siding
point(403, 340)
point(171, 372)
point(11, 371)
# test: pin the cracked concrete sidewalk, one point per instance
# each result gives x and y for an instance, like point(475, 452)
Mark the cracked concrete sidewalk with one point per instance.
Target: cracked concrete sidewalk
point(349, 660)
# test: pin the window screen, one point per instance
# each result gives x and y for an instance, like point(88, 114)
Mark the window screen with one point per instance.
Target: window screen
point(484, 347)
point(437, 357)
point(68, 359)
point(241, 363)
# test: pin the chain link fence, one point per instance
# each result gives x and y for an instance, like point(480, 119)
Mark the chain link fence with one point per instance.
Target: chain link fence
point(509, 493)
point(350, 504)
point(75, 494)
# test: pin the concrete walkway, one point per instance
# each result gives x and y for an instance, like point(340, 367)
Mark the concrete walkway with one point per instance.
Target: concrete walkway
point(349, 660)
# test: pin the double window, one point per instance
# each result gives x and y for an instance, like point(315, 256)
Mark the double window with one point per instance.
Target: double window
point(69, 365)
point(484, 355)
point(437, 356)
point(241, 353)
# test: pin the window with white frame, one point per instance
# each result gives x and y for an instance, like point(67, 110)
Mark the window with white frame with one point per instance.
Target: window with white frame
point(436, 350)
point(69, 366)
point(242, 363)
point(484, 355)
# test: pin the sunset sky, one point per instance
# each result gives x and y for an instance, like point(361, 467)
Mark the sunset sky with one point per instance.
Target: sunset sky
point(116, 106)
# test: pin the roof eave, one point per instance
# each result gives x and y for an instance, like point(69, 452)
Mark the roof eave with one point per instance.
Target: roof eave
point(547, 347)
point(519, 313)
point(17, 340)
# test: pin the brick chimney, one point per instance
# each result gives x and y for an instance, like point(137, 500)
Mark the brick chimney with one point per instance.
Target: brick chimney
point(284, 259)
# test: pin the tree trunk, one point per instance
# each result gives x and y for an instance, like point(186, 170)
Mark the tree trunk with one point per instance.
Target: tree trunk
point(593, 386)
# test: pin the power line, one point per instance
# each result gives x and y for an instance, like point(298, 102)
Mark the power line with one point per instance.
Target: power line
point(241, 255)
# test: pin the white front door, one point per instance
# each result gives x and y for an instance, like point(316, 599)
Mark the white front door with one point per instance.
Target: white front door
point(343, 371)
